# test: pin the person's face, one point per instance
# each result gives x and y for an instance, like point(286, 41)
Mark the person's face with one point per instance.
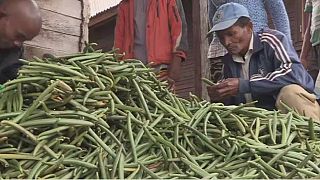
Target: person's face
point(236, 39)
point(15, 31)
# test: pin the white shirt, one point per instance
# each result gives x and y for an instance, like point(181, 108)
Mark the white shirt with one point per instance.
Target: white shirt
point(245, 63)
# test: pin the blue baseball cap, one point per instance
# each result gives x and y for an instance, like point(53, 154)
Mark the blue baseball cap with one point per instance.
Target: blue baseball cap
point(226, 15)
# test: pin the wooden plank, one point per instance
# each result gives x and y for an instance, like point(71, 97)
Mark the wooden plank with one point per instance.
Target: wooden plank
point(60, 23)
point(85, 16)
point(200, 45)
point(187, 90)
point(184, 89)
point(187, 76)
point(67, 7)
point(57, 41)
point(188, 61)
point(189, 79)
point(187, 83)
point(184, 93)
point(31, 51)
point(188, 67)
point(295, 14)
point(304, 20)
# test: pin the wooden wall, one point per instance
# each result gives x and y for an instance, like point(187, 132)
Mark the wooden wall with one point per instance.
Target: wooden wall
point(295, 13)
point(186, 84)
point(64, 29)
point(196, 65)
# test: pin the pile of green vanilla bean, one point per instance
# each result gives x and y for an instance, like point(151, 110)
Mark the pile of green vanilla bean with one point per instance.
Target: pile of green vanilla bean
point(91, 116)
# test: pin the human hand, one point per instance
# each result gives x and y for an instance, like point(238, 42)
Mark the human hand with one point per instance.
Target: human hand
point(163, 76)
point(224, 89)
point(173, 74)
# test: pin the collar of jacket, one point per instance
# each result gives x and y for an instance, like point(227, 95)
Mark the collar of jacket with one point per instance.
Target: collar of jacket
point(257, 44)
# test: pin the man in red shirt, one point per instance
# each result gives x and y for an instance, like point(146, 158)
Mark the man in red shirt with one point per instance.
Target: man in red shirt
point(155, 32)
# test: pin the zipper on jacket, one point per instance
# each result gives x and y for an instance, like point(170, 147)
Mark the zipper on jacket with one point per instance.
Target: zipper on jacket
point(158, 9)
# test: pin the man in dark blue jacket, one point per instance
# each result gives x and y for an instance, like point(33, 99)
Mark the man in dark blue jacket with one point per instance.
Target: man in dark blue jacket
point(20, 21)
point(261, 66)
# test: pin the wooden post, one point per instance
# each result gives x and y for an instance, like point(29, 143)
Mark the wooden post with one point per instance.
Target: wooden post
point(200, 46)
point(85, 13)
point(305, 19)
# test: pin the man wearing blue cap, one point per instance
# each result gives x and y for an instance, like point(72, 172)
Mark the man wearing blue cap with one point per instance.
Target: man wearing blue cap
point(261, 66)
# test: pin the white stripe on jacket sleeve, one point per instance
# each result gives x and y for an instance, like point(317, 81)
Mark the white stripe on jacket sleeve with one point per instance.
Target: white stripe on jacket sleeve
point(281, 55)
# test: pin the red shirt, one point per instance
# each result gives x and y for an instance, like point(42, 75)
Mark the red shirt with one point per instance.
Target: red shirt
point(166, 33)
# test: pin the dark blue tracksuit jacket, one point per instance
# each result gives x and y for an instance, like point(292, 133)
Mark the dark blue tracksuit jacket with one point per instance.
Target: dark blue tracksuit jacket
point(273, 65)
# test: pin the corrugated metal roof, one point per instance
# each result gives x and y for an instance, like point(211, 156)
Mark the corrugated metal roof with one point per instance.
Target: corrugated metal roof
point(97, 6)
